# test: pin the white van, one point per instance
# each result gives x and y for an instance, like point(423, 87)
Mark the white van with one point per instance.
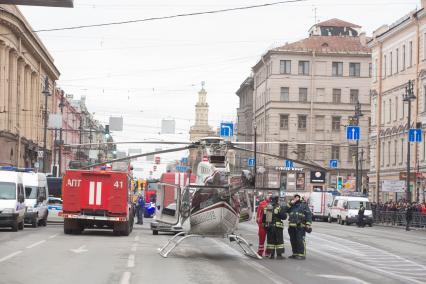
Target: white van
point(36, 201)
point(318, 203)
point(345, 210)
point(12, 200)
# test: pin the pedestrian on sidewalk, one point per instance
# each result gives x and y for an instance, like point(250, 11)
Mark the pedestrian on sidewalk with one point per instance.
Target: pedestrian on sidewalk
point(409, 215)
point(140, 208)
point(261, 230)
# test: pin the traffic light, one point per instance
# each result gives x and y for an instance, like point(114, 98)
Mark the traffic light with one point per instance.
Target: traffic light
point(339, 182)
point(107, 135)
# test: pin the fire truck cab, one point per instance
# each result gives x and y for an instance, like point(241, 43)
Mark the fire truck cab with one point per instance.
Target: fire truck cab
point(98, 199)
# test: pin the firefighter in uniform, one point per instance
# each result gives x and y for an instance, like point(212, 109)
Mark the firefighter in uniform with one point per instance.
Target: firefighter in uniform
point(299, 222)
point(273, 217)
point(261, 231)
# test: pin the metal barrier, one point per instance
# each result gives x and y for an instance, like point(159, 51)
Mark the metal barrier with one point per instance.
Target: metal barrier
point(397, 218)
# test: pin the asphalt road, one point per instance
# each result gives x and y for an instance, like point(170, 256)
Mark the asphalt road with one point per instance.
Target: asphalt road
point(336, 254)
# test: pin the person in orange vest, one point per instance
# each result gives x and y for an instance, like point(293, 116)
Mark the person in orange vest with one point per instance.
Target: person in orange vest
point(262, 231)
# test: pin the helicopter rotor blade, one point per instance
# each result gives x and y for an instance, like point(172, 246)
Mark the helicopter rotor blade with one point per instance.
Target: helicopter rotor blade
point(141, 155)
point(284, 158)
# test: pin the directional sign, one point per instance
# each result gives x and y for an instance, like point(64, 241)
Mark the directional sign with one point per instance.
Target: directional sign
point(289, 164)
point(415, 135)
point(250, 162)
point(333, 164)
point(226, 129)
point(184, 161)
point(181, 169)
point(352, 132)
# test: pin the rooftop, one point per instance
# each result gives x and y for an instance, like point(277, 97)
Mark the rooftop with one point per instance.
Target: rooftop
point(337, 23)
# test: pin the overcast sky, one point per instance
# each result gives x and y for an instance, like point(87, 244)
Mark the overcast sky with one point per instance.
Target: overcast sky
point(153, 70)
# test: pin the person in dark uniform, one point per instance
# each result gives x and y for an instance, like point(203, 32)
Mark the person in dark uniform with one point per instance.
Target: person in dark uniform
point(361, 212)
point(299, 222)
point(272, 220)
point(409, 216)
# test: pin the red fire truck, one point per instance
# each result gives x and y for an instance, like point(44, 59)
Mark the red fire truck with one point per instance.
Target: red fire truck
point(97, 199)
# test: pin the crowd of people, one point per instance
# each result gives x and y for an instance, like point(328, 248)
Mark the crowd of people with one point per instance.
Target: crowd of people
point(400, 213)
point(399, 206)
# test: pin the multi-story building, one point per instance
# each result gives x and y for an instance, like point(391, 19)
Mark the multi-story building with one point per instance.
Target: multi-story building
point(244, 131)
point(305, 94)
point(398, 55)
point(24, 65)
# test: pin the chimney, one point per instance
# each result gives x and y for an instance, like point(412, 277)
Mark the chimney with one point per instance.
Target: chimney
point(363, 38)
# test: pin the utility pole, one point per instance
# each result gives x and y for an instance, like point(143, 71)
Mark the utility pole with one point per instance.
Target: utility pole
point(408, 97)
point(61, 106)
point(255, 170)
point(356, 117)
point(46, 94)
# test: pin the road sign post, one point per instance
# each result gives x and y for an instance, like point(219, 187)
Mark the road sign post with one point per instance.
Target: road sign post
point(353, 132)
point(333, 164)
point(289, 164)
point(415, 135)
point(226, 129)
point(250, 162)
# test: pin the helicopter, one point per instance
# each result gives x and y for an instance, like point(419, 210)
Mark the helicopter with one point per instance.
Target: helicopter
point(213, 206)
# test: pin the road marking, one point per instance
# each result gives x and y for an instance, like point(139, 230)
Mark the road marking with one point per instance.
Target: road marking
point(79, 250)
point(131, 261)
point(125, 278)
point(134, 247)
point(273, 277)
point(340, 277)
point(53, 236)
point(10, 255)
point(36, 244)
point(136, 238)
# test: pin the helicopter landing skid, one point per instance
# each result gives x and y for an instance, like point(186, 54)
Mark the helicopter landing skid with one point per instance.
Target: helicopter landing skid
point(173, 243)
point(245, 246)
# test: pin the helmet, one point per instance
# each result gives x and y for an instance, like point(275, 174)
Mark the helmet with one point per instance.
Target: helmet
point(274, 199)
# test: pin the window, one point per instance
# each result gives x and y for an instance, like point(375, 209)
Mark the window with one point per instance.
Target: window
point(283, 150)
point(424, 98)
point(384, 66)
point(320, 97)
point(395, 147)
point(303, 67)
point(301, 122)
point(424, 46)
point(285, 94)
point(355, 69)
point(410, 60)
point(382, 158)
point(319, 122)
point(303, 95)
point(335, 152)
point(397, 60)
point(401, 156)
point(283, 121)
point(396, 109)
point(337, 69)
point(301, 151)
point(335, 123)
point(354, 96)
point(285, 66)
point(391, 64)
point(370, 69)
point(337, 94)
point(389, 154)
point(403, 58)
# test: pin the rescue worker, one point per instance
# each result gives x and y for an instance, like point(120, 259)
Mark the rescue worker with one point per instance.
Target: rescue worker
point(272, 220)
point(361, 212)
point(299, 222)
point(140, 208)
point(259, 221)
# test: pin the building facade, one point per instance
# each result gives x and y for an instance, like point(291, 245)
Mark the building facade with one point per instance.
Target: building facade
point(398, 55)
point(304, 96)
point(24, 65)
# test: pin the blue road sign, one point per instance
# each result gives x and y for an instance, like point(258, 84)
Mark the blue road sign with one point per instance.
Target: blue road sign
point(181, 169)
point(352, 132)
point(184, 161)
point(226, 129)
point(289, 164)
point(415, 135)
point(250, 162)
point(333, 164)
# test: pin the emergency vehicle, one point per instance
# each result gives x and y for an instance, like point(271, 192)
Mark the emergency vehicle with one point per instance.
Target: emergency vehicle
point(97, 199)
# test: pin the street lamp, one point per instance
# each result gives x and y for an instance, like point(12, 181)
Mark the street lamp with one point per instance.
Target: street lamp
point(46, 94)
point(408, 96)
point(356, 117)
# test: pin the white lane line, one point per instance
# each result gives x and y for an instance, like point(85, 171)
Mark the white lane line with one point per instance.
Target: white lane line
point(125, 278)
point(36, 244)
point(53, 236)
point(273, 277)
point(134, 247)
point(131, 261)
point(10, 255)
point(343, 278)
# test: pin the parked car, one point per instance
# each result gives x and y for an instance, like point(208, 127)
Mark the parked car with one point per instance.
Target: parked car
point(55, 208)
point(12, 199)
point(345, 209)
point(36, 193)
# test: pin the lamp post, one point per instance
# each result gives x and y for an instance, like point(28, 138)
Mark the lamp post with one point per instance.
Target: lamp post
point(356, 117)
point(408, 96)
point(46, 94)
point(61, 106)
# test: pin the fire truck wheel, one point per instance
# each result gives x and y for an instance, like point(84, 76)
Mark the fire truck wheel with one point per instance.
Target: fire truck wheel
point(126, 230)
